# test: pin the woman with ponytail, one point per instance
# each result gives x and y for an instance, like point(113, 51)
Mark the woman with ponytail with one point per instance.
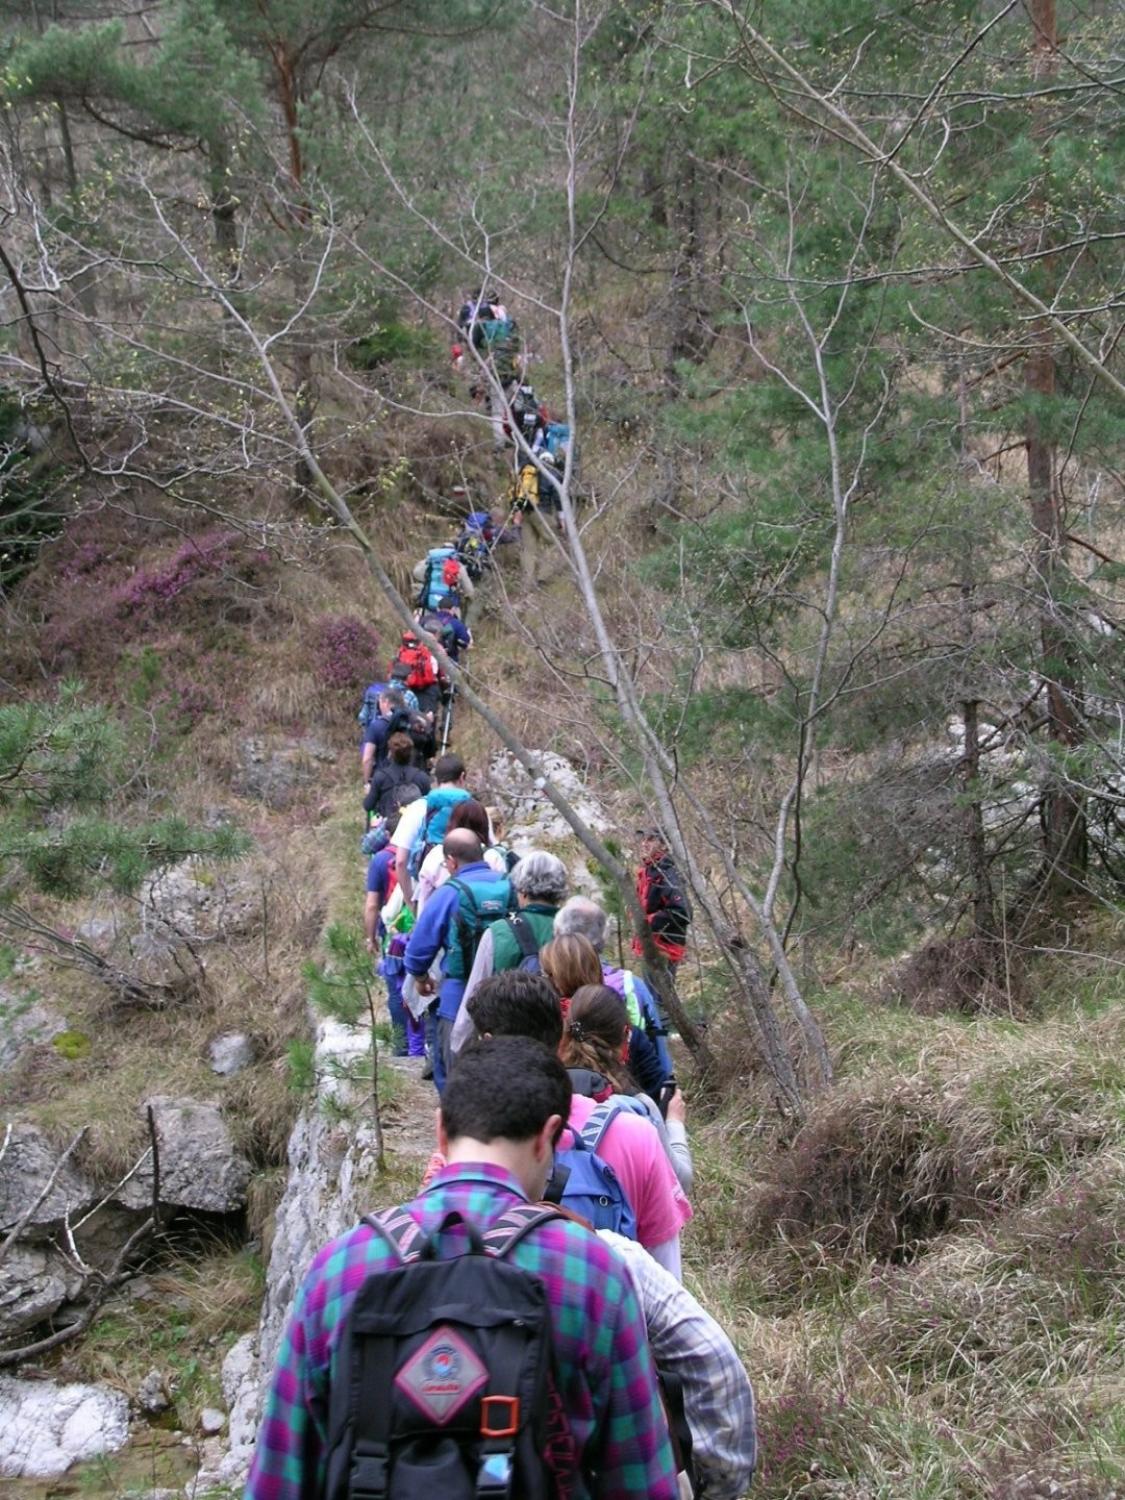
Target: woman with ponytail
point(571, 962)
point(595, 1050)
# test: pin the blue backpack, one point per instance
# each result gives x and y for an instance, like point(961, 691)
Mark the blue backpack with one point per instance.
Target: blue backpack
point(377, 837)
point(435, 587)
point(369, 708)
point(557, 440)
point(591, 1186)
point(370, 705)
point(440, 803)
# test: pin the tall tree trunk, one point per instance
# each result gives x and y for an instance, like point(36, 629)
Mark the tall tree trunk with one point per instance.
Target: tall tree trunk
point(305, 391)
point(976, 842)
point(224, 210)
point(1063, 809)
point(691, 338)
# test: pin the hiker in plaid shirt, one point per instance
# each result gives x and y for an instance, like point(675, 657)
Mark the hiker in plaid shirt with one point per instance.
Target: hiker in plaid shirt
point(502, 1112)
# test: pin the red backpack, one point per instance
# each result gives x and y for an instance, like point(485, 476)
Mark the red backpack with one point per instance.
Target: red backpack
point(416, 658)
point(451, 573)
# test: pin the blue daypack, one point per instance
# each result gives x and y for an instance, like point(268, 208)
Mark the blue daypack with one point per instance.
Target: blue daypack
point(592, 1187)
point(557, 440)
point(370, 705)
point(440, 803)
point(377, 837)
point(434, 586)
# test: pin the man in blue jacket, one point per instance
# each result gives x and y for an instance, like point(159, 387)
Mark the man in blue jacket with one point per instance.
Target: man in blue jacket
point(452, 922)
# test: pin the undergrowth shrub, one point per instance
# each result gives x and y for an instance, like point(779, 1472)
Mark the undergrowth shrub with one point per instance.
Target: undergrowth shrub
point(795, 1431)
point(346, 652)
point(966, 976)
point(210, 584)
point(879, 1170)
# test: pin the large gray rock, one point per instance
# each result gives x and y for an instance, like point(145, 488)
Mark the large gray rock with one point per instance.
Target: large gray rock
point(534, 823)
point(329, 1181)
point(193, 902)
point(25, 1170)
point(273, 770)
point(34, 1283)
point(45, 1427)
point(25, 1021)
point(199, 1166)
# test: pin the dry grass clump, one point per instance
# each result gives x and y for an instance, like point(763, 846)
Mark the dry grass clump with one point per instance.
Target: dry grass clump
point(968, 976)
point(882, 1168)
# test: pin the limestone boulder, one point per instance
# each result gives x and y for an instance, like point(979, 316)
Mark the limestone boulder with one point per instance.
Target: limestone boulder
point(200, 1168)
point(25, 1170)
point(34, 1283)
point(192, 902)
point(46, 1427)
point(274, 769)
point(231, 1053)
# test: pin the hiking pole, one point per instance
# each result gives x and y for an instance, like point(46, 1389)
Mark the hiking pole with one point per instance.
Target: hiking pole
point(448, 720)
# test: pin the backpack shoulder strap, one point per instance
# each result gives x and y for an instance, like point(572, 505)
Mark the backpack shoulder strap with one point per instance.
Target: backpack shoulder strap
point(400, 1230)
point(599, 1122)
point(464, 888)
point(523, 933)
point(515, 1223)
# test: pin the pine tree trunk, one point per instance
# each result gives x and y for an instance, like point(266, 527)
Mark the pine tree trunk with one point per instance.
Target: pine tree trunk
point(1062, 806)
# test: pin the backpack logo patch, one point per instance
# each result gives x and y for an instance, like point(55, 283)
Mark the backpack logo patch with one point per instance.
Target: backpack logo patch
point(442, 1376)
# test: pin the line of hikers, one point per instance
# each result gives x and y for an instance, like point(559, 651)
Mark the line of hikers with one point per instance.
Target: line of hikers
point(518, 1329)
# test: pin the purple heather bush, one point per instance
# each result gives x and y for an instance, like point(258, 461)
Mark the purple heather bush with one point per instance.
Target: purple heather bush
point(153, 589)
point(346, 652)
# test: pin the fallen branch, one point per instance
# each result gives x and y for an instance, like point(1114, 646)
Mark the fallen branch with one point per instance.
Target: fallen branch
point(102, 1284)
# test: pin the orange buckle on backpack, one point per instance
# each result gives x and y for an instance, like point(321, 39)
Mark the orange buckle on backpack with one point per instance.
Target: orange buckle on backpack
point(504, 1406)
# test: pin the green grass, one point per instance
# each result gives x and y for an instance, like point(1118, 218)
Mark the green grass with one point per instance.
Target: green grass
point(984, 1365)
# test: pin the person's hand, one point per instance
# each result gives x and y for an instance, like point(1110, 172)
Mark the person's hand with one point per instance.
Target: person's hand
point(677, 1109)
point(370, 944)
point(425, 985)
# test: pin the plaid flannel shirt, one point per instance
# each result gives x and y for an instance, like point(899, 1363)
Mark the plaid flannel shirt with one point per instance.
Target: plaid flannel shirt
point(718, 1398)
point(604, 1371)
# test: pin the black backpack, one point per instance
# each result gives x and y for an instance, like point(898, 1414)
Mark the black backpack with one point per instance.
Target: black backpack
point(443, 1379)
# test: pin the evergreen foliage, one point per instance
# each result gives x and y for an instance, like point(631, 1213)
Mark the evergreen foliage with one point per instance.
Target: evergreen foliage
point(65, 824)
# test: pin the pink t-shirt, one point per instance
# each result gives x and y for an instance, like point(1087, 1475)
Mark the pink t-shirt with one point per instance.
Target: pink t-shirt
point(632, 1148)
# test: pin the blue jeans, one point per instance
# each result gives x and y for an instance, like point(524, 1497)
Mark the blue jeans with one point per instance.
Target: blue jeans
point(391, 970)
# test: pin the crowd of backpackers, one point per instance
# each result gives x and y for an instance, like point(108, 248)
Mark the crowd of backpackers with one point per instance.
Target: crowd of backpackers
point(519, 1329)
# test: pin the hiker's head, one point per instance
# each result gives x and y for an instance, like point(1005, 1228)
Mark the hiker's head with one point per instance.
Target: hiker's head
point(569, 963)
point(581, 917)
point(461, 847)
point(404, 795)
point(449, 770)
point(597, 1034)
point(470, 814)
point(506, 1101)
point(516, 1003)
point(450, 603)
point(651, 843)
point(540, 877)
point(400, 749)
point(391, 702)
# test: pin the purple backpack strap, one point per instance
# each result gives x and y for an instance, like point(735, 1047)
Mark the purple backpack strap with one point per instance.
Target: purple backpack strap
point(516, 1222)
point(400, 1230)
